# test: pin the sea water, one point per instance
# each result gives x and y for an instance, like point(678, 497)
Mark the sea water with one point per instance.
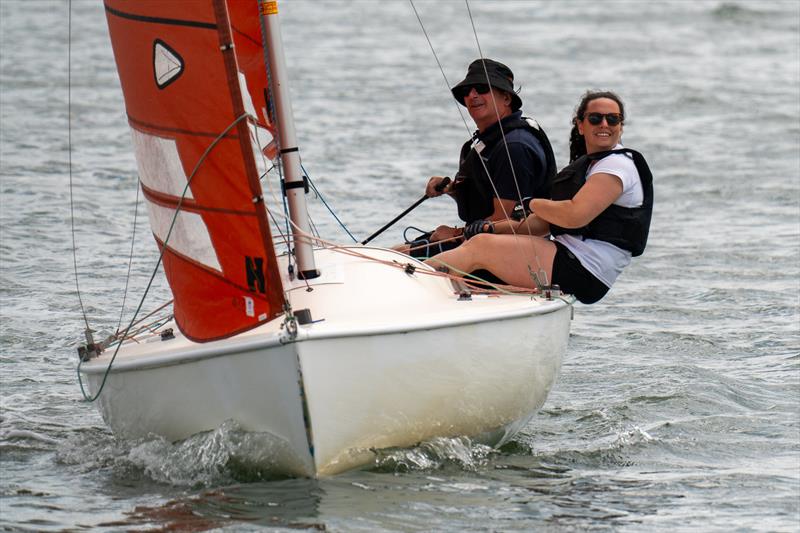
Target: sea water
point(678, 403)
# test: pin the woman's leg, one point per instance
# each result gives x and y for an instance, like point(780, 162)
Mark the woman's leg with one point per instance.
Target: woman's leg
point(510, 257)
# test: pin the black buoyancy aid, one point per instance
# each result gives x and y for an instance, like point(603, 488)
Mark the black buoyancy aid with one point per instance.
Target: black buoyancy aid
point(624, 227)
point(474, 191)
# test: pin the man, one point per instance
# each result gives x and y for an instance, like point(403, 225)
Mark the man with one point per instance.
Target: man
point(509, 158)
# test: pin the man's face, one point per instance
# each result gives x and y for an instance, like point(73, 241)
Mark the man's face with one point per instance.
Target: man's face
point(485, 107)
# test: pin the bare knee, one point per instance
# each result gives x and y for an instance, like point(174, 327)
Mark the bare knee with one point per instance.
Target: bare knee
point(479, 249)
point(481, 240)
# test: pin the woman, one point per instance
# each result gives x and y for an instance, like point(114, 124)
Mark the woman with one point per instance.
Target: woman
point(599, 215)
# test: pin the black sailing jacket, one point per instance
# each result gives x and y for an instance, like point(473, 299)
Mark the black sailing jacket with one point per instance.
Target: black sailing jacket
point(624, 227)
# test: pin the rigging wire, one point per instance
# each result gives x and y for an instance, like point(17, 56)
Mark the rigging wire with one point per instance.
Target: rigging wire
point(436, 57)
point(130, 258)
point(317, 193)
point(541, 271)
point(254, 136)
point(272, 116)
point(496, 112)
point(458, 106)
point(322, 199)
point(502, 132)
point(69, 155)
point(265, 161)
point(461, 114)
point(284, 237)
point(158, 322)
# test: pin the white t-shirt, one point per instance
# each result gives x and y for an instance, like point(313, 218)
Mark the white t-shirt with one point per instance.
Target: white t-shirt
point(604, 260)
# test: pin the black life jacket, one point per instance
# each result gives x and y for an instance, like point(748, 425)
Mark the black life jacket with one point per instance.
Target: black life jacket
point(624, 227)
point(474, 191)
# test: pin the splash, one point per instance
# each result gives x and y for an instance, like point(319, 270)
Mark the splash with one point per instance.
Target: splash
point(223, 456)
point(434, 454)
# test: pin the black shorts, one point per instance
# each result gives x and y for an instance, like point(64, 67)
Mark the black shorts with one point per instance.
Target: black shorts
point(573, 278)
point(422, 247)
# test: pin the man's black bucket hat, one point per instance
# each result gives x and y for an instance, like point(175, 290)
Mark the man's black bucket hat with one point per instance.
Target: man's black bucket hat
point(500, 77)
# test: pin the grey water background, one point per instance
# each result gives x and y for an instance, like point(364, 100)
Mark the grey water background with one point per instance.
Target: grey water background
point(678, 405)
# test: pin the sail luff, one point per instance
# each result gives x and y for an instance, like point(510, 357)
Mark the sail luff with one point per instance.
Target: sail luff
point(243, 128)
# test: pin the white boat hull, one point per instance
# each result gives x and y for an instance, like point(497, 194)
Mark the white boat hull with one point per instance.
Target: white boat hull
point(390, 360)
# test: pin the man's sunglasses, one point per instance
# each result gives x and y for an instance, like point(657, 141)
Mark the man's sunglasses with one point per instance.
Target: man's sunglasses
point(480, 88)
point(595, 119)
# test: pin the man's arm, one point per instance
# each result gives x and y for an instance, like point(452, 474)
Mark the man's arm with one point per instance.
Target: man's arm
point(502, 209)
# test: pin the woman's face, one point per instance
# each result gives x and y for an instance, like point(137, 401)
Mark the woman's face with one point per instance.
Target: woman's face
point(601, 136)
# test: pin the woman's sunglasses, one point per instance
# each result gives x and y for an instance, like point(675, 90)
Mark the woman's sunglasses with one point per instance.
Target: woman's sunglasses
point(595, 119)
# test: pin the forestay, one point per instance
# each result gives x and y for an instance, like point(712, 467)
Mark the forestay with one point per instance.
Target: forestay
point(195, 88)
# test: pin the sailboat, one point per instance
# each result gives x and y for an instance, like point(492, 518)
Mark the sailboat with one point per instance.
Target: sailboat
point(330, 353)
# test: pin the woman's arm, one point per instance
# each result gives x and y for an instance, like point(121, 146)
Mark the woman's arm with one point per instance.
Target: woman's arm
point(599, 192)
point(532, 225)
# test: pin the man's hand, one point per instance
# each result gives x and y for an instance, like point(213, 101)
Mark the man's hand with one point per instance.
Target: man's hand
point(478, 226)
point(445, 232)
point(437, 186)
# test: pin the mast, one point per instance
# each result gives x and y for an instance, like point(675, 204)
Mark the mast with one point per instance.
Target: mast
point(295, 186)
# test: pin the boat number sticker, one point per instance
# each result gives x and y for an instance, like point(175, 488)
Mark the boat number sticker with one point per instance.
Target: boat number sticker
point(249, 306)
point(269, 7)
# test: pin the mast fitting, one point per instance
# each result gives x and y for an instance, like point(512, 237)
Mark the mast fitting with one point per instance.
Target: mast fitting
point(285, 186)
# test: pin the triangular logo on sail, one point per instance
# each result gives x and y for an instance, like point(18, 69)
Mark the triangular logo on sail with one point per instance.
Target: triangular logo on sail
point(167, 64)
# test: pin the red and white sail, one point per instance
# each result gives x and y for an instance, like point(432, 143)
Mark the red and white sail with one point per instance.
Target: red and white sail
point(190, 71)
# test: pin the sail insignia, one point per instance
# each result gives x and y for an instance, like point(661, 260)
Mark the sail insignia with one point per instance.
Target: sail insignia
point(167, 64)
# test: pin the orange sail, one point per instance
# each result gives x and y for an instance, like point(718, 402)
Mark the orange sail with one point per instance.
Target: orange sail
point(194, 82)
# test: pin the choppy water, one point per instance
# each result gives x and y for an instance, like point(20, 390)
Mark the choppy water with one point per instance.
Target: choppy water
point(678, 406)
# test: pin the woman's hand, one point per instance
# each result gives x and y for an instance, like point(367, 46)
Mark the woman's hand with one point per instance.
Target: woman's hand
point(479, 226)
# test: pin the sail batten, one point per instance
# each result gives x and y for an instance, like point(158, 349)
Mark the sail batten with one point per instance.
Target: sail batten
point(193, 94)
point(160, 128)
point(159, 20)
point(188, 205)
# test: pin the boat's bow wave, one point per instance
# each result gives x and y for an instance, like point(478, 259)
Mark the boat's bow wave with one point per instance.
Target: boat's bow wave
point(215, 458)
